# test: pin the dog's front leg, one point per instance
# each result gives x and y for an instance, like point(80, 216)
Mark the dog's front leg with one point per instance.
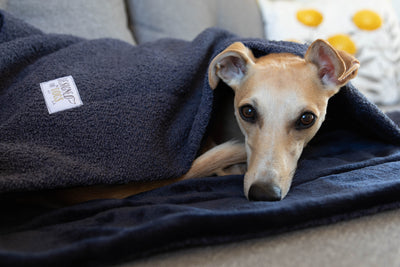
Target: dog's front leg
point(218, 159)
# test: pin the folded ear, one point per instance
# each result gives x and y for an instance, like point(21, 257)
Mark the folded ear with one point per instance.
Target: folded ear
point(335, 68)
point(231, 65)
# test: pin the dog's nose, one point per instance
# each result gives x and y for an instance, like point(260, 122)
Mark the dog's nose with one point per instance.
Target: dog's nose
point(260, 191)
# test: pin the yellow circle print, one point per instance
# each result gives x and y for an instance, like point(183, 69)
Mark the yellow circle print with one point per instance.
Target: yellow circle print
point(367, 20)
point(309, 17)
point(343, 42)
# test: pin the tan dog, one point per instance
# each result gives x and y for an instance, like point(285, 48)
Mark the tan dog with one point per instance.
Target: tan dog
point(280, 102)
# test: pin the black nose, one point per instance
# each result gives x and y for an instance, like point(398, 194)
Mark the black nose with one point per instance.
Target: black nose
point(265, 192)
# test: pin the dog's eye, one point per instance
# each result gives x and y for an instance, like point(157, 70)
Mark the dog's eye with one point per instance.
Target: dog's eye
point(248, 113)
point(306, 120)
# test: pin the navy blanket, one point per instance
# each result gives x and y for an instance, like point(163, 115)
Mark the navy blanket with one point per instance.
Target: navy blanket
point(145, 111)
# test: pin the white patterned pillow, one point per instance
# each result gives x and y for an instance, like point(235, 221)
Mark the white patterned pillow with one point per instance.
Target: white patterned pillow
point(369, 29)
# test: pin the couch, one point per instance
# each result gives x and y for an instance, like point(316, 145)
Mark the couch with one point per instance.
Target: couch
point(366, 241)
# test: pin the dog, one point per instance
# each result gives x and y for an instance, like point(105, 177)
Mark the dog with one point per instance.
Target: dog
point(279, 103)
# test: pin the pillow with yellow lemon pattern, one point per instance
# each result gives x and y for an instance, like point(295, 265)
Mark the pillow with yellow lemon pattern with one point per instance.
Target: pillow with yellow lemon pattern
point(369, 29)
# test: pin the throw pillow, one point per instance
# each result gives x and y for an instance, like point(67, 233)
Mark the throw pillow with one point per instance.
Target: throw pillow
point(369, 29)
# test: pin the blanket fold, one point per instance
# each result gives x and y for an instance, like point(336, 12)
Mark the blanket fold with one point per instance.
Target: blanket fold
point(144, 114)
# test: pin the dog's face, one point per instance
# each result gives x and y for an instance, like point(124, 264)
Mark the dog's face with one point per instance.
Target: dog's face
point(280, 103)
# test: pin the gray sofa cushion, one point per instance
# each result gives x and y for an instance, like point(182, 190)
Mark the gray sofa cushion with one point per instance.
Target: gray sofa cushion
point(185, 19)
point(242, 17)
point(90, 18)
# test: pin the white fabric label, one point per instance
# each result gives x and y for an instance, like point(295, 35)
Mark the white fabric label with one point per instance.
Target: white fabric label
point(61, 94)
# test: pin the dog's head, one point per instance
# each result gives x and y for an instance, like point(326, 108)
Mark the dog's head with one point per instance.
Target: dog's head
point(280, 103)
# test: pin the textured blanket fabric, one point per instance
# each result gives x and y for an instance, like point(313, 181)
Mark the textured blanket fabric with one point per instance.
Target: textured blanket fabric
point(145, 110)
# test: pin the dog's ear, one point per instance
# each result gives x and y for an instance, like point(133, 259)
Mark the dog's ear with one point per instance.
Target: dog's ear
point(231, 65)
point(335, 68)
